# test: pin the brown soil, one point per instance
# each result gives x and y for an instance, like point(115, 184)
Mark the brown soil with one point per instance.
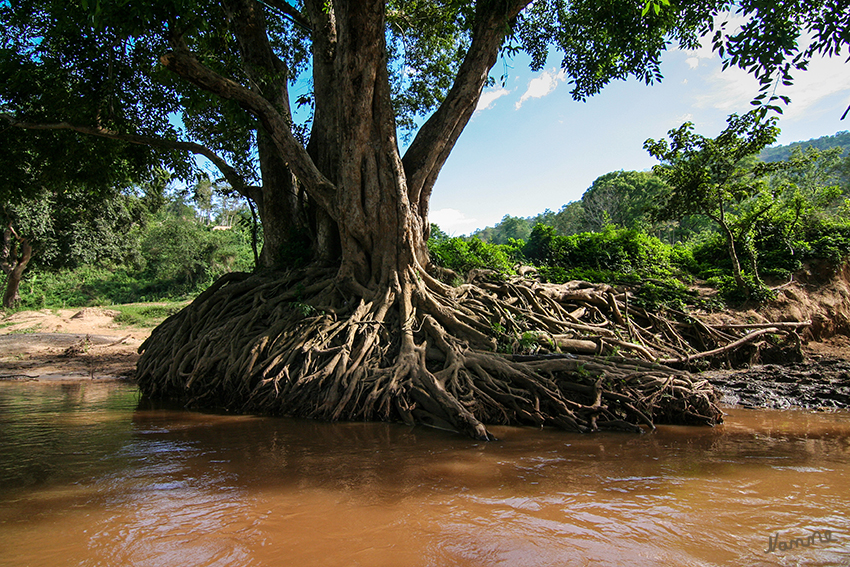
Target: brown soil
point(817, 294)
point(68, 344)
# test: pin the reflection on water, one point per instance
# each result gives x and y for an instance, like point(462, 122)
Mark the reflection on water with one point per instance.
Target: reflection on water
point(89, 478)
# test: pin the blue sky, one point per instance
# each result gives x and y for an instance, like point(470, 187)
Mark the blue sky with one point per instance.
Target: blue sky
point(530, 147)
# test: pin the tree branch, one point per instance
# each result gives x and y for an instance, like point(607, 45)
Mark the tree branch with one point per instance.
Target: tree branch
point(230, 174)
point(291, 12)
point(182, 62)
point(437, 137)
point(9, 261)
point(267, 73)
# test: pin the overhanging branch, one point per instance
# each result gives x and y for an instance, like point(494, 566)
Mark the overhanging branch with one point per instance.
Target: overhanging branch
point(290, 12)
point(182, 62)
point(436, 139)
point(230, 174)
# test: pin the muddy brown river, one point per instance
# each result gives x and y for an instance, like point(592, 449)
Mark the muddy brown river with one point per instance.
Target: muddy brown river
point(88, 477)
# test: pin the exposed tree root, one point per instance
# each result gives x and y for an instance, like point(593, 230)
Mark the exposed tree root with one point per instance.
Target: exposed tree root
point(488, 352)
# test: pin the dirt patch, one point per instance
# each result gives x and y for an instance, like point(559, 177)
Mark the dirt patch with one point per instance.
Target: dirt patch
point(68, 344)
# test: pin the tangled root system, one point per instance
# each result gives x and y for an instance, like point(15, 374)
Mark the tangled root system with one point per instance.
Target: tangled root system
point(506, 352)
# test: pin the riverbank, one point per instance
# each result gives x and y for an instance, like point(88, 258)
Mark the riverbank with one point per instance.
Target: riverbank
point(818, 383)
point(68, 344)
point(87, 344)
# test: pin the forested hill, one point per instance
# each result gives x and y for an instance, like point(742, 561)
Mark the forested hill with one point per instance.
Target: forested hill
point(627, 199)
point(780, 153)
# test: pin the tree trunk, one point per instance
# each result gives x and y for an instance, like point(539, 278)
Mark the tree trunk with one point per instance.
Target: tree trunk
point(13, 264)
point(282, 209)
point(381, 233)
point(730, 245)
point(733, 255)
point(11, 297)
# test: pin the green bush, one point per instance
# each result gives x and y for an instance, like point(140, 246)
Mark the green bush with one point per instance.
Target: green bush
point(539, 249)
point(710, 256)
point(829, 241)
point(181, 259)
point(186, 256)
point(682, 257)
point(559, 275)
point(735, 294)
point(81, 287)
point(463, 256)
point(613, 249)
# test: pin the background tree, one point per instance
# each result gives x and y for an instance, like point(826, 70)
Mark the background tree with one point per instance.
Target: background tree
point(780, 153)
point(568, 220)
point(622, 198)
point(202, 196)
point(711, 176)
point(15, 256)
point(51, 185)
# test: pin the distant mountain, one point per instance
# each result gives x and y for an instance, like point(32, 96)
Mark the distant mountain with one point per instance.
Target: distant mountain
point(779, 153)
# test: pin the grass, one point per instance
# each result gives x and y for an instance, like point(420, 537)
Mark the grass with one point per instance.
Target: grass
point(130, 315)
point(145, 314)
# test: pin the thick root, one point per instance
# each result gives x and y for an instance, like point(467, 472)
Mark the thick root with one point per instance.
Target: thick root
point(421, 352)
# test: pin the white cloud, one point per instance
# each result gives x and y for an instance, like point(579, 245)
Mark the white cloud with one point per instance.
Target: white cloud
point(541, 86)
point(452, 221)
point(728, 21)
point(825, 77)
point(488, 98)
point(730, 90)
point(733, 89)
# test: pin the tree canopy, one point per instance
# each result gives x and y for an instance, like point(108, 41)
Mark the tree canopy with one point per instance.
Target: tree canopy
point(135, 69)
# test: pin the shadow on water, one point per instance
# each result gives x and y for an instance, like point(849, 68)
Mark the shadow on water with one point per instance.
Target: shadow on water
point(106, 480)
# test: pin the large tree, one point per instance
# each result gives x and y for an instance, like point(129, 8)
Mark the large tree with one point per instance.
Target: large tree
point(361, 330)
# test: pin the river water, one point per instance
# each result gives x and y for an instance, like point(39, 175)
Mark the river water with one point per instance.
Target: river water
point(88, 477)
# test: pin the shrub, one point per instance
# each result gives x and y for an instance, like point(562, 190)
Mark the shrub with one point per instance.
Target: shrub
point(463, 256)
point(735, 294)
point(615, 250)
point(185, 255)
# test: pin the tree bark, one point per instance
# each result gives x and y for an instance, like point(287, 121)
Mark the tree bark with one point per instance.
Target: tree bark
point(13, 262)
